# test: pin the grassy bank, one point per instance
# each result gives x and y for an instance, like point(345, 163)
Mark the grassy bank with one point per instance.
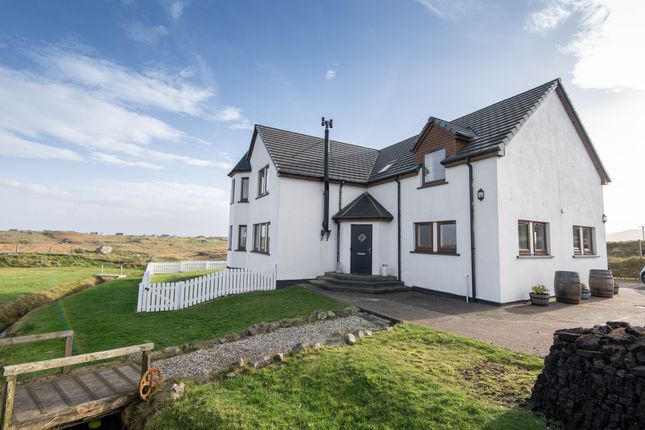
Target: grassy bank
point(626, 267)
point(409, 378)
point(104, 317)
point(17, 282)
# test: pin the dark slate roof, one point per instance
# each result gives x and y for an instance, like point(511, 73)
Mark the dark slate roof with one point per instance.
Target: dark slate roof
point(402, 157)
point(496, 124)
point(244, 165)
point(486, 130)
point(300, 154)
point(364, 206)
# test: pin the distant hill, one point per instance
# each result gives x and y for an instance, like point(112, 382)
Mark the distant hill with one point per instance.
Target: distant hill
point(623, 236)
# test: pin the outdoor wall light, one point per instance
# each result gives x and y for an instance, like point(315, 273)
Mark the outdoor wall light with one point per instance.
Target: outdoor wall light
point(480, 194)
point(604, 218)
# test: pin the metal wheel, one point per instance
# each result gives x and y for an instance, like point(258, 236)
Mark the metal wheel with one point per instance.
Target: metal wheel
point(149, 383)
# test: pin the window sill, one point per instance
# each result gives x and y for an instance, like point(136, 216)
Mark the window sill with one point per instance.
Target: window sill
point(260, 252)
point(436, 253)
point(240, 250)
point(586, 256)
point(535, 256)
point(433, 184)
point(262, 195)
point(243, 201)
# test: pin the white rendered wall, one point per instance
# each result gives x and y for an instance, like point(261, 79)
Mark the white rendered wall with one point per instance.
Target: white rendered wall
point(257, 210)
point(302, 255)
point(547, 176)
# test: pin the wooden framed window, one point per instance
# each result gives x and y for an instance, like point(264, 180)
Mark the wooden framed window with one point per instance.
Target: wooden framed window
point(241, 238)
point(232, 191)
point(524, 234)
point(263, 179)
point(261, 238)
point(230, 237)
point(244, 190)
point(447, 236)
point(433, 170)
point(533, 237)
point(583, 240)
point(423, 237)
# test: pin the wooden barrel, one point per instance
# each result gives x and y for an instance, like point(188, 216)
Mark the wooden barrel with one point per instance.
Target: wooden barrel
point(567, 287)
point(601, 283)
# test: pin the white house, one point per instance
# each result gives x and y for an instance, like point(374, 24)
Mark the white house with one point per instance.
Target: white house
point(486, 205)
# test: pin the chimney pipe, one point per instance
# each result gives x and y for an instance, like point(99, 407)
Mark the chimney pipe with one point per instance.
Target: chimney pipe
point(324, 233)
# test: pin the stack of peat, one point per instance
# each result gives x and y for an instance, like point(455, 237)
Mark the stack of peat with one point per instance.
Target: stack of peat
point(594, 378)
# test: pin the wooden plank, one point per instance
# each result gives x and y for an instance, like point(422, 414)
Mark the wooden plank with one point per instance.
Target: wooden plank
point(36, 337)
point(7, 404)
point(61, 393)
point(34, 397)
point(106, 382)
point(35, 366)
point(85, 388)
point(122, 373)
point(76, 393)
point(79, 413)
point(49, 397)
point(24, 407)
point(96, 385)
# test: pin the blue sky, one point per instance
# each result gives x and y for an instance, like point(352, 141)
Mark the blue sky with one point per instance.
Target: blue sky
point(127, 115)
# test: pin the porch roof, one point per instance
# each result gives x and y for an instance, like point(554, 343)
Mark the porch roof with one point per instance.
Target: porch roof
point(363, 207)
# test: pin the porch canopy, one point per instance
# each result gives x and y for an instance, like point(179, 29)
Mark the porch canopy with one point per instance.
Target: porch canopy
point(363, 207)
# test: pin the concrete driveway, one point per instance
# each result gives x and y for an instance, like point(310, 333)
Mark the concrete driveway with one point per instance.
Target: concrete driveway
point(520, 327)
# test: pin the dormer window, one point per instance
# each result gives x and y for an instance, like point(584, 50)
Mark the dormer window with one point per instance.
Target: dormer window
point(433, 170)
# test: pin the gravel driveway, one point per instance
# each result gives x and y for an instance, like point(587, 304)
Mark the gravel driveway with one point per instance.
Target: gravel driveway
point(200, 364)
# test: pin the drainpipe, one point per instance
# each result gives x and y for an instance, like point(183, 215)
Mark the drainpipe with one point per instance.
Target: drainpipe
point(340, 206)
point(472, 231)
point(398, 227)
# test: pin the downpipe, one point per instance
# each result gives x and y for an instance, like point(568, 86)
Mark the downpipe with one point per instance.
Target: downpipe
point(472, 232)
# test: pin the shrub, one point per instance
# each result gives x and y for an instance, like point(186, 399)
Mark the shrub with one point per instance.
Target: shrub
point(583, 286)
point(539, 289)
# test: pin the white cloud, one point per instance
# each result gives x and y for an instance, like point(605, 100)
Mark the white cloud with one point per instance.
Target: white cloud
point(228, 113)
point(146, 34)
point(32, 188)
point(113, 160)
point(606, 46)
point(152, 90)
point(15, 146)
point(449, 9)
point(176, 9)
point(244, 124)
point(330, 74)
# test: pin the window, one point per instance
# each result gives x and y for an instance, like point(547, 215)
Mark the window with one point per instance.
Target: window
point(433, 171)
point(532, 238)
point(232, 191)
point(387, 166)
point(241, 238)
point(447, 236)
point(423, 237)
point(263, 181)
point(583, 240)
point(244, 190)
point(230, 237)
point(261, 238)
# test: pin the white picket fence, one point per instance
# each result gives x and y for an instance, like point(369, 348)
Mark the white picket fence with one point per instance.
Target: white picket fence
point(170, 296)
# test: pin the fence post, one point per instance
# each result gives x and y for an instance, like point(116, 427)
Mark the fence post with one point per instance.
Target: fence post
point(69, 342)
point(7, 404)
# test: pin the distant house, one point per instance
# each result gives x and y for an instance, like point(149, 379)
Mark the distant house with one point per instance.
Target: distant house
point(485, 205)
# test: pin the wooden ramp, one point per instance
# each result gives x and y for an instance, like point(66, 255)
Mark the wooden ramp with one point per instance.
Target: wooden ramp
point(71, 398)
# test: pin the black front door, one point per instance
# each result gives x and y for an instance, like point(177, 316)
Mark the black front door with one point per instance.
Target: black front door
point(361, 250)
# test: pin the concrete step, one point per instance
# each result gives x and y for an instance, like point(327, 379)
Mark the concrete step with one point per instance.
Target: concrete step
point(384, 282)
point(364, 289)
point(356, 277)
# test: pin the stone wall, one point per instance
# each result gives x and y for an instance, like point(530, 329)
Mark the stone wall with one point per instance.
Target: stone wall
point(594, 378)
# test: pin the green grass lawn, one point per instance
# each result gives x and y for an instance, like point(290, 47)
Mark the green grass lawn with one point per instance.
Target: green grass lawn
point(180, 276)
point(103, 317)
point(410, 378)
point(17, 282)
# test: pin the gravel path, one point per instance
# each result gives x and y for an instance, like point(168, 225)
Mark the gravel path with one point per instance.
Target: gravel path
point(200, 364)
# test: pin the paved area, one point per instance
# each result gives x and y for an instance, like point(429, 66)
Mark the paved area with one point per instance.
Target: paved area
point(520, 327)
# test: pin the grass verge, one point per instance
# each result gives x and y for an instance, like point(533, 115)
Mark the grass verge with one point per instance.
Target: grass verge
point(180, 276)
point(410, 378)
point(104, 317)
point(626, 267)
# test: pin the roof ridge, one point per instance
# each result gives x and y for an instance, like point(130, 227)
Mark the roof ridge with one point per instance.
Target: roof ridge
point(315, 137)
point(553, 81)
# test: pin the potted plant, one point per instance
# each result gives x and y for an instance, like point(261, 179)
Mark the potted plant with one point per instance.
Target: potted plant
point(585, 292)
point(539, 295)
